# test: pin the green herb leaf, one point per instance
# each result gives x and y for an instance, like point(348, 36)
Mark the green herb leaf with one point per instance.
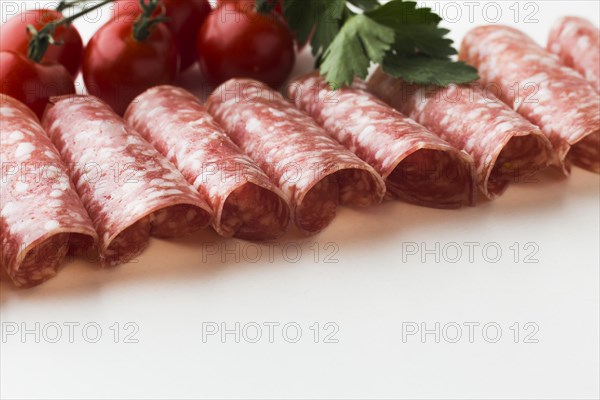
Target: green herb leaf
point(406, 39)
point(416, 29)
point(323, 17)
point(360, 41)
point(365, 4)
point(398, 12)
point(425, 70)
point(425, 39)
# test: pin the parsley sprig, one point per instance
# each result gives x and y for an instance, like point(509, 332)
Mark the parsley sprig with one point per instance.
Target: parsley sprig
point(406, 40)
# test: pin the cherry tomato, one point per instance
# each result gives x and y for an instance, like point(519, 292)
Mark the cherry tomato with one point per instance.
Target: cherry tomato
point(14, 37)
point(33, 83)
point(250, 5)
point(127, 10)
point(117, 67)
point(185, 19)
point(251, 45)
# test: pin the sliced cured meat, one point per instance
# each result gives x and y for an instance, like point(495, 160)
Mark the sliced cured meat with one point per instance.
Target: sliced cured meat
point(576, 41)
point(312, 169)
point(417, 165)
point(41, 216)
point(246, 204)
point(505, 146)
point(128, 188)
point(537, 85)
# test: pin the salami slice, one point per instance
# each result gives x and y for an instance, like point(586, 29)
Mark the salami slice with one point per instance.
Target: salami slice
point(576, 41)
point(417, 165)
point(314, 171)
point(246, 204)
point(505, 146)
point(540, 88)
point(41, 216)
point(128, 188)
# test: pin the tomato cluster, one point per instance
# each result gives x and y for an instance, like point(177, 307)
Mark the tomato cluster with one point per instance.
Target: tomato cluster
point(122, 59)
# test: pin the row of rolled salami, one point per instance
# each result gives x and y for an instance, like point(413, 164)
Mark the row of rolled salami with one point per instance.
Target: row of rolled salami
point(248, 161)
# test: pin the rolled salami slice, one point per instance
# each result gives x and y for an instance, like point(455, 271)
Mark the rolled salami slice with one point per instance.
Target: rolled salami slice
point(537, 85)
point(128, 188)
point(576, 41)
point(505, 146)
point(417, 165)
point(314, 171)
point(41, 216)
point(246, 204)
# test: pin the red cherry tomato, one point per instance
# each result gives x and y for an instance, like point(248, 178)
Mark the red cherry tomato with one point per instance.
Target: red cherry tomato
point(127, 10)
point(33, 83)
point(117, 67)
point(185, 19)
point(235, 44)
point(250, 5)
point(14, 37)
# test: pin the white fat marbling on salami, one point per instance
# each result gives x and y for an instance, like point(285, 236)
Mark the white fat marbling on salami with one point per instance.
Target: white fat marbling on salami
point(505, 146)
point(245, 203)
point(543, 90)
point(38, 218)
point(114, 170)
point(386, 139)
point(15, 136)
point(312, 169)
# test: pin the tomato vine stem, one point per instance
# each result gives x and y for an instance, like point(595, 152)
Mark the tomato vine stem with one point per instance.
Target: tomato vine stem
point(66, 4)
point(146, 22)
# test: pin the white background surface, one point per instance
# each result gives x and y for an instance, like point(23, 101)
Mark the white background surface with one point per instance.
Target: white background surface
point(373, 288)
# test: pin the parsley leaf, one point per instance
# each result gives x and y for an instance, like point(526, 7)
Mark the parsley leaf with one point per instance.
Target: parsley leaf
point(360, 41)
point(398, 12)
point(321, 18)
point(405, 39)
point(426, 39)
point(425, 70)
point(365, 4)
point(416, 29)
